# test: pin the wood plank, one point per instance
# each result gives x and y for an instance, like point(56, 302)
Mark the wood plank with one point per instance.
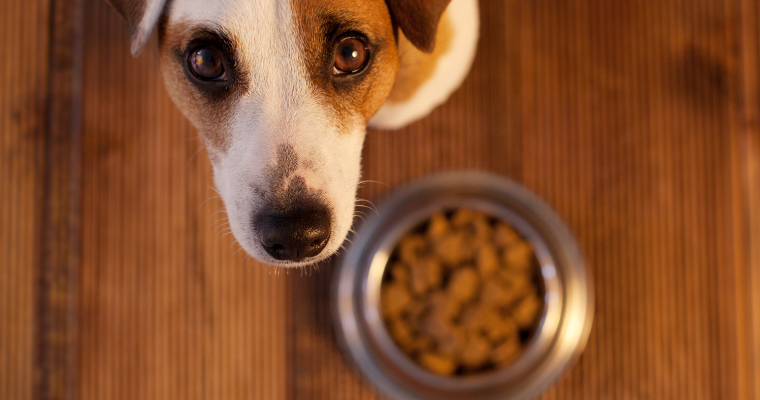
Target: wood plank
point(637, 121)
point(168, 307)
point(621, 115)
point(60, 248)
point(748, 160)
point(24, 33)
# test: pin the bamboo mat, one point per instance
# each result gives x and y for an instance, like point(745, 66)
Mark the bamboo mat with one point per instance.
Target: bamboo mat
point(638, 121)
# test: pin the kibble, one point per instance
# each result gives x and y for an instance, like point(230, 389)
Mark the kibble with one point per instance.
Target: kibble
point(461, 294)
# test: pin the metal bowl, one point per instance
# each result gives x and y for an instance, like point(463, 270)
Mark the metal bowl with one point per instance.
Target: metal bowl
point(568, 298)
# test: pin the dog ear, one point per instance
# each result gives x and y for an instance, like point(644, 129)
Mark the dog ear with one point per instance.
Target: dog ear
point(418, 19)
point(141, 17)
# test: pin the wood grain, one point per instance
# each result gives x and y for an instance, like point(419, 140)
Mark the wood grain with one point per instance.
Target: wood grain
point(626, 117)
point(24, 32)
point(748, 171)
point(638, 121)
point(60, 238)
point(168, 308)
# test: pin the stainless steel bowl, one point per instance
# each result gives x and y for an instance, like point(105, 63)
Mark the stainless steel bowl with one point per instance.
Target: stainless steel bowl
point(568, 301)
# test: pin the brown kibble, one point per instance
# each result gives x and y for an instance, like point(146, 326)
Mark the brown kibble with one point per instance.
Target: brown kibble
point(401, 333)
point(394, 299)
point(434, 273)
point(416, 309)
point(516, 284)
point(439, 227)
point(476, 352)
point(411, 248)
point(419, 282)
point(472, 317)
point(426, 274)
point(475, 320)
point(438, 364)
point(451, 342)
point(519, 256)
point(526, 311)
point(495, 295)
point(506, 352)
point(500, 329)
point(399, 272)
point(463, 285)
point(463, 217)
point(422, 344)
point(436, 324)
point(443, 305)
point(504, 236)
point(454, 248)
point(487, 260)
point(482, 228)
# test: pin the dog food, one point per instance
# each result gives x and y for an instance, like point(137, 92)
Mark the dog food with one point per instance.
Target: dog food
point(461, 293)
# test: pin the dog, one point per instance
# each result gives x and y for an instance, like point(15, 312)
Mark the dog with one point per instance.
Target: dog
point(282, 91)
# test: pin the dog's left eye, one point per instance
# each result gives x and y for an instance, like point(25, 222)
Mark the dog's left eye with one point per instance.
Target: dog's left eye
point(206, 63)
point(351, 55)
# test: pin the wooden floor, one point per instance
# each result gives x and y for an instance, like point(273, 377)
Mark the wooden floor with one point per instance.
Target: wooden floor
point(638, 121)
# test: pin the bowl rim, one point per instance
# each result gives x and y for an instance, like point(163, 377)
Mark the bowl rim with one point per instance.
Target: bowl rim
point(567, 317)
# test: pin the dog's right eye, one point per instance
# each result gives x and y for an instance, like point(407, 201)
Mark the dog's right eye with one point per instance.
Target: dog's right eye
point(206, 63)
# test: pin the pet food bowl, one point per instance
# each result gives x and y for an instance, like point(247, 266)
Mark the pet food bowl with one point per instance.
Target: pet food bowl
point(567, 291)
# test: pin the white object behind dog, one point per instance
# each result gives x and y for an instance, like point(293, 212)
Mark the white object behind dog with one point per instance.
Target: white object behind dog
point(452, 61)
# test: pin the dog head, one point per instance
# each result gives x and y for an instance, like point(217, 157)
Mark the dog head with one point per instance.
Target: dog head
point(281, 92)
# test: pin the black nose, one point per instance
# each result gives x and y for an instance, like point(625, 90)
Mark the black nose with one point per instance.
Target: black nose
point(294, 234)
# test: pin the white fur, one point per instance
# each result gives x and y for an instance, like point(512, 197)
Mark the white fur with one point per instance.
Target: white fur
point(280, 108)
point(450, 71)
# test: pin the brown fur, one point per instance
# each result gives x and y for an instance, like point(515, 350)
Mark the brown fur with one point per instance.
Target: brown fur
point(417, 67)
point(211, 115)
point(418, 19)
point(322, 23)
point(350, 96)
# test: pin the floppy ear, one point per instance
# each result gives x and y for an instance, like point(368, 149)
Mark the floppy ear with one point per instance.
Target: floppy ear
point(141, 17)
point(425, 80)
point(418, 19)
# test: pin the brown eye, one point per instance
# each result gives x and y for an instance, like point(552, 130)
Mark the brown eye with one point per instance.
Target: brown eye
point(206, 63)
point(350, 56)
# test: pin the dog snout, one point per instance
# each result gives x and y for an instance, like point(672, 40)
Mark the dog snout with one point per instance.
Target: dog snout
point(296, 233)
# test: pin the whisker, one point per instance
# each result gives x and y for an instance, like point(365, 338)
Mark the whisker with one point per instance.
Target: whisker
point(226, 234)
point(234, 242)
point(214, 189)
point(377, 182)
point(219, 223)
point(193, 156)
point(221, 210)
point(207, 200)
point(371, 206)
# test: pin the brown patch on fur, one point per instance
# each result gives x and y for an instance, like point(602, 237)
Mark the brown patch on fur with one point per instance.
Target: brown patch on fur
point(417, 67)
point(209, 112)
point(320, 25)
point(418, 19)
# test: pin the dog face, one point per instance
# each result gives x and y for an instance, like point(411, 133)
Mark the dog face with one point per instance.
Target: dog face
point(283, 125)
point(281, 92)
